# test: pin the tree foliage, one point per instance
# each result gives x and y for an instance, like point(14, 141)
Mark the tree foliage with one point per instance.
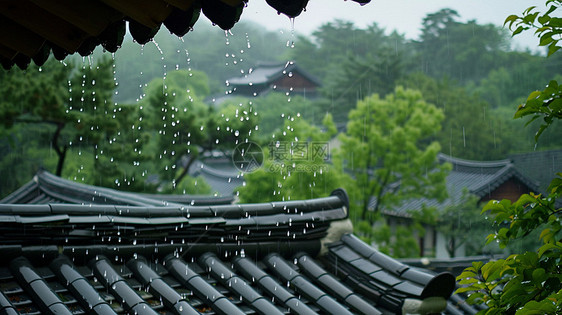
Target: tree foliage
point(459, 51)
point(530, 282)
point(462, 225)
point(183, 128)
point(293, 167)
point(387, 150)
point(470, 129)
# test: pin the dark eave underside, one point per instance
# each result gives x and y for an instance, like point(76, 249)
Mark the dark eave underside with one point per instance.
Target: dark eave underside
point(35, 29)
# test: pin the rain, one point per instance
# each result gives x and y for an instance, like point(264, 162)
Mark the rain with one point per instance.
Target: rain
point(417, 128)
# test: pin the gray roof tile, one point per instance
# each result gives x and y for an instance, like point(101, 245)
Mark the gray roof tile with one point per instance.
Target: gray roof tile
point(479, 178)
point(184, 259)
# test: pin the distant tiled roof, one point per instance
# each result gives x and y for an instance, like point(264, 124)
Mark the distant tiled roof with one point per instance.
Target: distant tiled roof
point(218, 259)
point(223, 181)
point(267, 72)
point(47, 188)
point(32, 29)
point(479, 178)
point(541, 166)
point(482, 177)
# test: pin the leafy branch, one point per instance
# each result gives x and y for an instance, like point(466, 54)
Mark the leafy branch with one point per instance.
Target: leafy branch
point(531, 282)
point(547, 28)
point(548, 102)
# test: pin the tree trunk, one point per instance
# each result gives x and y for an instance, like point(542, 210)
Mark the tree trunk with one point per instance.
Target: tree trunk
point(61, 152)
point(451, 247)
point(185, 170)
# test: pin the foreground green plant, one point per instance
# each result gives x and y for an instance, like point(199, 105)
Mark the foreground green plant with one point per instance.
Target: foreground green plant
point(530, 282)
point(548, 102)
point(527, 283)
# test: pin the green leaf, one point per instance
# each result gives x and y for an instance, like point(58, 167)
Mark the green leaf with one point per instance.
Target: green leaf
point(491, 270)
point(518, 30)
point(464, 289)
point(556, 105)
point(475, 298)
point(552, 49)
point(540, 131)
point(529, 9)
point(546, 234)
point(546, 39)
point(510, 19)
point(531, 120)
point(551, 9)
point(469, 281)
point(544, 19)
point(539, 275)
point(547, 247)
point(466, 274)
point(540, 307)
point(534, 95)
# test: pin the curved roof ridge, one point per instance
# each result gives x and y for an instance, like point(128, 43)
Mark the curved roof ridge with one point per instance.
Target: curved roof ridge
point(207, 169)
point(96, 192)
point(271, 63)
point(501, 177)
point(472, 163)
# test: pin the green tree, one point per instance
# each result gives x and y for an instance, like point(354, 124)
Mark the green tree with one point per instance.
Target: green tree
point(61, 95)
point(274, 107)
point(460, 51)
point(184, 128)
point(177, 120)
point(462, 225)
point(355, 63)
point(38, 96)
point(362, 76)
point(293, 167)
point(387, 150)
point(470, 129)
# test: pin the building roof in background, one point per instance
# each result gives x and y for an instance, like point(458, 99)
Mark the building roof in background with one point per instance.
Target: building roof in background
point(221, 175)
point(539, 165)
point(47, 188)
point(268, 258)
point(268, 72)
point(479, 178)
point(32, 30)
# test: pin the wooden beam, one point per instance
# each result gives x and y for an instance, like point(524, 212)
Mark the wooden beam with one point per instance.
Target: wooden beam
point(43, 23)
point(181, 4)
point(150, 13)
point(92, 17)
point(6, 52)
point(232, 3)
point(19, 38)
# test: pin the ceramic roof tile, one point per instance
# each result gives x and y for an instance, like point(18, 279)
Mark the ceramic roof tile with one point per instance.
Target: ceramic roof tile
point(332, 285)
point(477, 177)
point(281, 268)
point(538, 165)
point(244, 259)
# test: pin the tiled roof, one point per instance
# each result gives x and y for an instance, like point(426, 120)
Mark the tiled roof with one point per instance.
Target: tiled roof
point(482, 177)
point(223, 181)
point(47, 188)
point(267, 72)
point(541, 166)
point(34, 29)
point(477, 177)
point(269, 258)
point(349, 280)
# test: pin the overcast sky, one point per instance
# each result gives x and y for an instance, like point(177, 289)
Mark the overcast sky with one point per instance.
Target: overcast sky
point(403, 15)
